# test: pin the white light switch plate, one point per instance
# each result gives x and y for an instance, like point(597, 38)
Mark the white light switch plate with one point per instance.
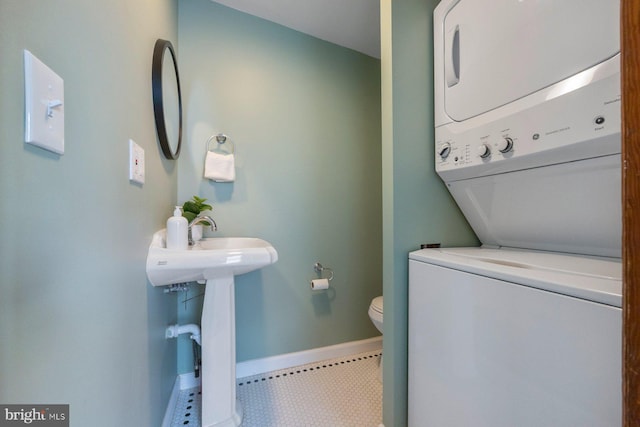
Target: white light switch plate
point(44, 105)
point(136, 162)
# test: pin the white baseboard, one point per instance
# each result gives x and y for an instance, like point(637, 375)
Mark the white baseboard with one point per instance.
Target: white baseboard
point(183, 382)
point(188, 380)
point(289, 360)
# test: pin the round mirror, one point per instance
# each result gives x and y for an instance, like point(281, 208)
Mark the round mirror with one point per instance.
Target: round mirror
point(167, 100)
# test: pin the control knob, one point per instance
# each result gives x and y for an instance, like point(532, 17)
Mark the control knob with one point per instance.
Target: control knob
point(505, 145)
point(484, 151)
point(444, 150)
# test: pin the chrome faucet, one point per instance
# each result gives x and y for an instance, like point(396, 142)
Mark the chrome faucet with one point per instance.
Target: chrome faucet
point(198, 220)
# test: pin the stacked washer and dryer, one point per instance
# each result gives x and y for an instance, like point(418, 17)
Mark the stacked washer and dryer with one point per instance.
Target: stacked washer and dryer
point(525, 330)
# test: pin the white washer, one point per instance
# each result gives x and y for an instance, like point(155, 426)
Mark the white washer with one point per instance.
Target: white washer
point(526, 330)
point(501, 338)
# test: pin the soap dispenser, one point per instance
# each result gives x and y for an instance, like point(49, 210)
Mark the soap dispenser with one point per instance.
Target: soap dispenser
point(177, 230)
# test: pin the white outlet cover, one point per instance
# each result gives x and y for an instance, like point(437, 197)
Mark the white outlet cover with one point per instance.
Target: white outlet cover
point(136, 162)
point(44, 105)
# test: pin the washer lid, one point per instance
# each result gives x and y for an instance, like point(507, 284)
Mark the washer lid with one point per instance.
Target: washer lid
point(376, 304)
point(591, 278)
point(571, 207)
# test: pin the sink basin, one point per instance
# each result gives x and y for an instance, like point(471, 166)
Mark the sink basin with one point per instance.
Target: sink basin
point(209, 258)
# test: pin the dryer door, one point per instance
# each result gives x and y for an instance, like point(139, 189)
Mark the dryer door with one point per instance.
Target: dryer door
point(496, 51)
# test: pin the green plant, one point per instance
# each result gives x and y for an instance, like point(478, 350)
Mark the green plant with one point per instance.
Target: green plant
point(192, 208)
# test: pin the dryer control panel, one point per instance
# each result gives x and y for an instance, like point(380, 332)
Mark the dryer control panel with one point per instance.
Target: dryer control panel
point(575, 119)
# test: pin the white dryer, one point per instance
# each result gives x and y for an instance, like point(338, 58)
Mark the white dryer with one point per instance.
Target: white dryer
point(526, 330)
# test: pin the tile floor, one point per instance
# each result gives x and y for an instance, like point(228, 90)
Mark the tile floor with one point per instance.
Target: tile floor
point(338, 392)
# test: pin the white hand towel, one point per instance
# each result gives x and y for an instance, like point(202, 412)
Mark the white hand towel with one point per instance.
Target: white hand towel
point(220, 167)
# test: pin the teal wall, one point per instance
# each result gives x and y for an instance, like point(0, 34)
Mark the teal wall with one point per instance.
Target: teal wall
point(79, 323)
point(416, 205)
point(304, 115)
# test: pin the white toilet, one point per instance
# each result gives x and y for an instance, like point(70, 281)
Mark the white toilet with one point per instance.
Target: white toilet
point(375, 313)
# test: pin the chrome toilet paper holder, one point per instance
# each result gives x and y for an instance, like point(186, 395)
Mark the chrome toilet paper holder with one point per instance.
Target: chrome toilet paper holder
point(320, 270)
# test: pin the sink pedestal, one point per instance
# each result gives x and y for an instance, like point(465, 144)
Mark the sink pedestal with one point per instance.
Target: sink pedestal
point(218, 331)
point(216, 260)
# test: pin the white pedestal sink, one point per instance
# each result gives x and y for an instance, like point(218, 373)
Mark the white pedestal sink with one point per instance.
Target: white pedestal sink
point(216, 260)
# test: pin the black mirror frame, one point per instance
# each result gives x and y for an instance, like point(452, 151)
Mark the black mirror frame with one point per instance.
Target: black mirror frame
point(159, 50)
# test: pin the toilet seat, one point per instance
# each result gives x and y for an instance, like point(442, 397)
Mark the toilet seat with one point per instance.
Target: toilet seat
point(376, 304)
point(375, 312)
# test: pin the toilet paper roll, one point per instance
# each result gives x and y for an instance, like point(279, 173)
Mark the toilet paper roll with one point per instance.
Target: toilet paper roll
point(319, 284)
